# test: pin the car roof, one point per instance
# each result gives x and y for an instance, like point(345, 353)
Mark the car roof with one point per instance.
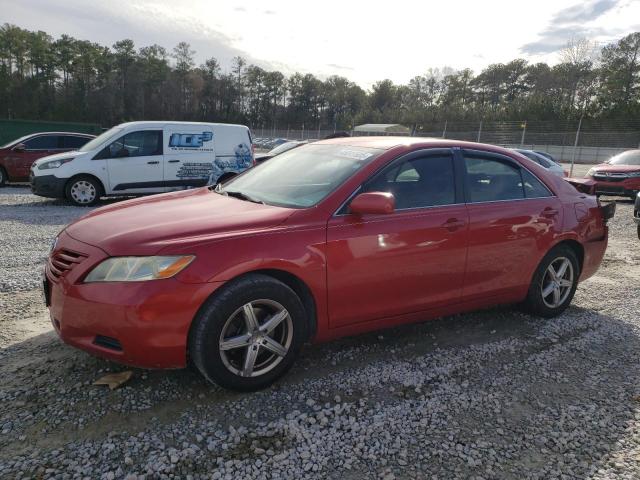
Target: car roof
point(61, 133)
point(389, 142)
point(170, 122)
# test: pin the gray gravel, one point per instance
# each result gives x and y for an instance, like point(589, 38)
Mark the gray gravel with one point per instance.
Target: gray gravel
point(493, 394)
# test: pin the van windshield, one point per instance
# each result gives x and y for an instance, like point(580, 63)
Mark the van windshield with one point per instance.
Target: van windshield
point(301, 177)
point(100, 139)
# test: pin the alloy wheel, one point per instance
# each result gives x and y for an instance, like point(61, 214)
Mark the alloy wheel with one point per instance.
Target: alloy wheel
point(557, 282)
point(256, 338)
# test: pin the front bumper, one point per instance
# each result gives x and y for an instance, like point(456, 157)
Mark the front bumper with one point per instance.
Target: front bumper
point(47, 185)
point(142, 324)
point(622, 188)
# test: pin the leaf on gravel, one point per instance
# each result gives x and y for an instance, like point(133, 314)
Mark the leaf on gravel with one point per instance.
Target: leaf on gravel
point(114, 380)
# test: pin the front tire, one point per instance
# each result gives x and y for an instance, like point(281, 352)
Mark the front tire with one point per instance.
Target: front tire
point(249, 334)
point(554, 283)
point(83, 191)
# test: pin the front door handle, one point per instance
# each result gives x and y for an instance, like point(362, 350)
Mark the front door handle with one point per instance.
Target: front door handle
point(453, 224)
point(154, 162)
point(174, 161)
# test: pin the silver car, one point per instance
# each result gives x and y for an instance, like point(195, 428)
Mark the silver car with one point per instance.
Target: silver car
point(550, 165)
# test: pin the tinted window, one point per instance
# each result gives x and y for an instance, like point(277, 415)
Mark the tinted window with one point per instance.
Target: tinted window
point(72, 141)
point(533, 188)
point(492, 180)
point(43, 142)
point(135, 144)
point(420, 182)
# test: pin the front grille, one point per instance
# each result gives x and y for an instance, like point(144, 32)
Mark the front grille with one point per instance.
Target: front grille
point(108, 342)
point(63, 262)
point(614, 177)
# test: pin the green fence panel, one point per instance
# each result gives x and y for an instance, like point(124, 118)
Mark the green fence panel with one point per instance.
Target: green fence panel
point(12, 129)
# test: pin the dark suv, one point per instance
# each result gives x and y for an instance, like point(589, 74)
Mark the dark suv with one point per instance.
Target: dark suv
point(17, 156)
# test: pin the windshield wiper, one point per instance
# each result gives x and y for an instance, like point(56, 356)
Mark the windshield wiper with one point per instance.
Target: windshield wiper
point(240, 195)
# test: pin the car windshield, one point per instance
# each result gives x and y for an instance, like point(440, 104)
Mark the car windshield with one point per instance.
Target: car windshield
point(283, 148)
point(100, 139)
point(301, 177)
point(16, 141)
point(631, 157)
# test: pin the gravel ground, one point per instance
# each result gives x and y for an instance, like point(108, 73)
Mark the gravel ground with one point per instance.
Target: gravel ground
point(493, 394)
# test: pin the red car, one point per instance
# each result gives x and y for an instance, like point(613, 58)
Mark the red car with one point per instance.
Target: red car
point(619, 176)
point(17, 156)
point(333, 238)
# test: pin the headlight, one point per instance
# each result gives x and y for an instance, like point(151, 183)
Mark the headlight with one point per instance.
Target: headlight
point(54, 163)
point(591, 172)
point(138, 269)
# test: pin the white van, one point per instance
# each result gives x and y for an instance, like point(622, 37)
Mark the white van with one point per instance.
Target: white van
point(145, 157)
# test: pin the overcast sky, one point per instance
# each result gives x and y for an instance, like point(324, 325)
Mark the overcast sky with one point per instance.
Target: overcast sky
point(360, 40)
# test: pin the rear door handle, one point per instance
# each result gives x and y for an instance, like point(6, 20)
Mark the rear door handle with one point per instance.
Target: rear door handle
point(453, 224)
point(549, 212)
point(154, 162)
point(174, 161)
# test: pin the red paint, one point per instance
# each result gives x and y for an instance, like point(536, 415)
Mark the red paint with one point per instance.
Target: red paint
point(365, 271)
point(17, 163)
point(622, 186)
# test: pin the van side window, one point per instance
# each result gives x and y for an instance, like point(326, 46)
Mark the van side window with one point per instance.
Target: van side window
point(135, 144)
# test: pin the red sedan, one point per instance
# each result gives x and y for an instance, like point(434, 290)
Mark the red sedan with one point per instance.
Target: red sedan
point(330, 239)
point(17, 156)
point(620, 176)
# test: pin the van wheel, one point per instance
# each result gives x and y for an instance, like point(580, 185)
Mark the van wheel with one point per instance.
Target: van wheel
point(83, 191)
point(249, 334)
point(3, 177)
point(554, 283)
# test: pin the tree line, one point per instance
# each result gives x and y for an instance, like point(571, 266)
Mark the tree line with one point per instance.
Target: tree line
point(67, 79)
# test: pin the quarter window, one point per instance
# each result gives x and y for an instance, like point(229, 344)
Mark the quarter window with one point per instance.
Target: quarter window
point(419, 182)
point(135, 144)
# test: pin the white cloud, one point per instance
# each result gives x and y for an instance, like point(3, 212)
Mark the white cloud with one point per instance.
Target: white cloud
point(363, 41)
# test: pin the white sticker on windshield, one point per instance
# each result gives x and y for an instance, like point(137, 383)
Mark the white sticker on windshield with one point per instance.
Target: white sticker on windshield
point(353, 154)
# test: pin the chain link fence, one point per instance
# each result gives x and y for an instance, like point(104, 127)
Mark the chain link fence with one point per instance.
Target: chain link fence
point(582, 141)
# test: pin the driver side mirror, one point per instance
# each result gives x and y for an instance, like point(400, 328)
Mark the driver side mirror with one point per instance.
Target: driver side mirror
point(21, 147)
point(373, 203)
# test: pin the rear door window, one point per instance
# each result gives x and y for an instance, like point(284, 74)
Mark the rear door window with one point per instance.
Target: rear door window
point(492, 180)
point(74, 141)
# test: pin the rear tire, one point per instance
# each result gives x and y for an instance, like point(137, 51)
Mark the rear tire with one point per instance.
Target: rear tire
point(554, 283)
point(3, 177)
point(232, 342)
point(83, 191)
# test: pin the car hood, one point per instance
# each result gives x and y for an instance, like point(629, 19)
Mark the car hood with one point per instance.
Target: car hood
point(144, 226)
point(56, 156)
point(605, 167)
